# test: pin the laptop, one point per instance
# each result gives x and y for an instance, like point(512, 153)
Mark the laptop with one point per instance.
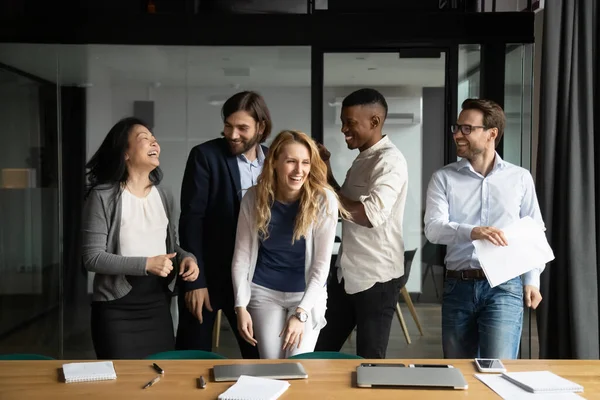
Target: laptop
point(231, 372)
point(397, 376)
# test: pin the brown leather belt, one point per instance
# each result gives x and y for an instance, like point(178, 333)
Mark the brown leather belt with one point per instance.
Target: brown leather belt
point(466, 274)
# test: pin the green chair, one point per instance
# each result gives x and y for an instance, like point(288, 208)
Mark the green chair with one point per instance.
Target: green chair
point(186, 355)
point(326, 355)
point(23, 357)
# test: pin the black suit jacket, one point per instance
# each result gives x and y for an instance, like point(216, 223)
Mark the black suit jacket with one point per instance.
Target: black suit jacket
point(210, 204)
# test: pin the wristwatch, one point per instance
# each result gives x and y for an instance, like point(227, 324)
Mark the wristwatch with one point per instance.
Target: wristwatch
point(301, 315)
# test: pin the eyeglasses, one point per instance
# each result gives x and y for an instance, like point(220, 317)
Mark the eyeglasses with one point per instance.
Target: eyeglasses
point(465, 129)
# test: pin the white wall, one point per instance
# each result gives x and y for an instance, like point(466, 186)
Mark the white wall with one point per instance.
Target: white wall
point(184, 118)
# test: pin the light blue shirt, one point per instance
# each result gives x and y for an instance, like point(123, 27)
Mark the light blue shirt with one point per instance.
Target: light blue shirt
point(249, 171)
point(460, 199)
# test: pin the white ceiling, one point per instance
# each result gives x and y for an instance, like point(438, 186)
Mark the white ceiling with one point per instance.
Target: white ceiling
point(215, 66)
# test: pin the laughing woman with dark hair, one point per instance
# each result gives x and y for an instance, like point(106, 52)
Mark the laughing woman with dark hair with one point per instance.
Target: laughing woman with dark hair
point(129, 241)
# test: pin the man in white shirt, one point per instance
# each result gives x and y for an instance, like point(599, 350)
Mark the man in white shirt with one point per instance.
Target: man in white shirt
point(473, 199)
point(363, 289)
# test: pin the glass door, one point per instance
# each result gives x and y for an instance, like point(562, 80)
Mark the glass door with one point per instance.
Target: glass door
point(413, 81)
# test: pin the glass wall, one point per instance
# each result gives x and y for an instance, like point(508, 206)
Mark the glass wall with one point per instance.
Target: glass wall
point(50, 94)
point(518, 104)
point(414, 88)
point(180, 90)
point(469, 67)
point(29, 213)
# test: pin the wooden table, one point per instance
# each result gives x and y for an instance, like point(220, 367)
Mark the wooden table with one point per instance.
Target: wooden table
point(328, 379)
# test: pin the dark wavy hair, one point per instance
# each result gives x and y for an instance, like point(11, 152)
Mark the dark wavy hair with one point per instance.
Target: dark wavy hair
point(107, 165)
point(255, 105)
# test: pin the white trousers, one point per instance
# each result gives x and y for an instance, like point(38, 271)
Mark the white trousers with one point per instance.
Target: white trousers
point(270, 310)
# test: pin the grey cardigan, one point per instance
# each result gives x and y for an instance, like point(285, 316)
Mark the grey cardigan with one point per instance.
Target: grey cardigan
point(100, 244)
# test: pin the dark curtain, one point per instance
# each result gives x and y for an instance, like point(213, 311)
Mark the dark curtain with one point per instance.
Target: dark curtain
point(567, 180)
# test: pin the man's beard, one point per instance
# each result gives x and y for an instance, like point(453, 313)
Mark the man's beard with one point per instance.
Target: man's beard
point(243, 146)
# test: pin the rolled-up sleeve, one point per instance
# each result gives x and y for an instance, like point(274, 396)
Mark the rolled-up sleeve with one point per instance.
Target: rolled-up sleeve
point(387, 181)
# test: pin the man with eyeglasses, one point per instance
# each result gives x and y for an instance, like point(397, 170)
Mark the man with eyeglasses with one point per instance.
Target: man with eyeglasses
point(473, 199)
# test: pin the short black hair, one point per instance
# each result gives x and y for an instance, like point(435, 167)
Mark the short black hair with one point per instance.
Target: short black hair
point(366, 96)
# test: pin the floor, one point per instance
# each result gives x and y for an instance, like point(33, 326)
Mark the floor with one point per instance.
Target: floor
point(38, 337)
point(43, 334)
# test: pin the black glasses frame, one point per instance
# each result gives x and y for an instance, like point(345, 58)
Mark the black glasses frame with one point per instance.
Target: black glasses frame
point(465, 129)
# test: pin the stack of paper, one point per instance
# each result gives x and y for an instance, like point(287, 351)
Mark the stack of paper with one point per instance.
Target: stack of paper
point(254, 388)
point(531, 384)
point(527, 249)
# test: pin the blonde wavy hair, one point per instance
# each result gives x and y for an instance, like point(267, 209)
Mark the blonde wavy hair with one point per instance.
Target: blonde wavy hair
point(313, 197)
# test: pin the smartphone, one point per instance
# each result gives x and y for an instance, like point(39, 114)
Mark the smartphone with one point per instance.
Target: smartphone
point(430, 366)
point(489, 365)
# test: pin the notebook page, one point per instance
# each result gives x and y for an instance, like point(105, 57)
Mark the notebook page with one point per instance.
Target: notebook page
point(89, 371)
point(542, 382)
point(255, 388)
point(509, 391)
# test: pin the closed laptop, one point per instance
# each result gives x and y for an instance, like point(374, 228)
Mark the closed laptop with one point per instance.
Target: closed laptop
point(231, 372)
point(372, 376)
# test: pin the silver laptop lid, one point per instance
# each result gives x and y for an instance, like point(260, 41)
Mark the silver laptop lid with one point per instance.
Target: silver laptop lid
point(231, 372)
point(369, 376)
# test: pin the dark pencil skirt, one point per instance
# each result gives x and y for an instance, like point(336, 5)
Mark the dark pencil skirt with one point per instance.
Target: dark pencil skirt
point(137, 325)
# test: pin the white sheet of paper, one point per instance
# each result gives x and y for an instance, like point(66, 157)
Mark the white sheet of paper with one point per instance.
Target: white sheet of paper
point(527, 249)
point(507, 390)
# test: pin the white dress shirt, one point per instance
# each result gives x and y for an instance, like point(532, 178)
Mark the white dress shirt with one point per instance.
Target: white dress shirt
point(319, 245)
point(378, 178)
point(460, 199)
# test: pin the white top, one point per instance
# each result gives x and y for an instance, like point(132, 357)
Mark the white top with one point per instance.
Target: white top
point(459, 199)
point(143, 225)
point(319, 246)
point(378, 178)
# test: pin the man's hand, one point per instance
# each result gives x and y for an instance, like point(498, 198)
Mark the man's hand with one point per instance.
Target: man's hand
point(533, 297)
point(494, 235)
point(188, 269)
point(195, 300)
point(323, 152)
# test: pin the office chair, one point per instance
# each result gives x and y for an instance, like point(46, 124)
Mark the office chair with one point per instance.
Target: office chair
point(408, 259)
point(186, 355)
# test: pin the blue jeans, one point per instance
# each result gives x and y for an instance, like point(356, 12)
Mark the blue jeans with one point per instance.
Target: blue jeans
point(480, 321)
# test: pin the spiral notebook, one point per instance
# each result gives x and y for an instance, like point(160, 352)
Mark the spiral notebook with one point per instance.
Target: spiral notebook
point(542, 382)
point(255, 388)
point(89, 371)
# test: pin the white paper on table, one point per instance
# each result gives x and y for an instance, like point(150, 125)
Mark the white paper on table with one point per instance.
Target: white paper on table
point(508, 390)
point(527, 249)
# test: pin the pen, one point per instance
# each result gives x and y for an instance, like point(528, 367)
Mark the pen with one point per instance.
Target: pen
point(152, 382)
point(158, 369)
point(202, 383)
